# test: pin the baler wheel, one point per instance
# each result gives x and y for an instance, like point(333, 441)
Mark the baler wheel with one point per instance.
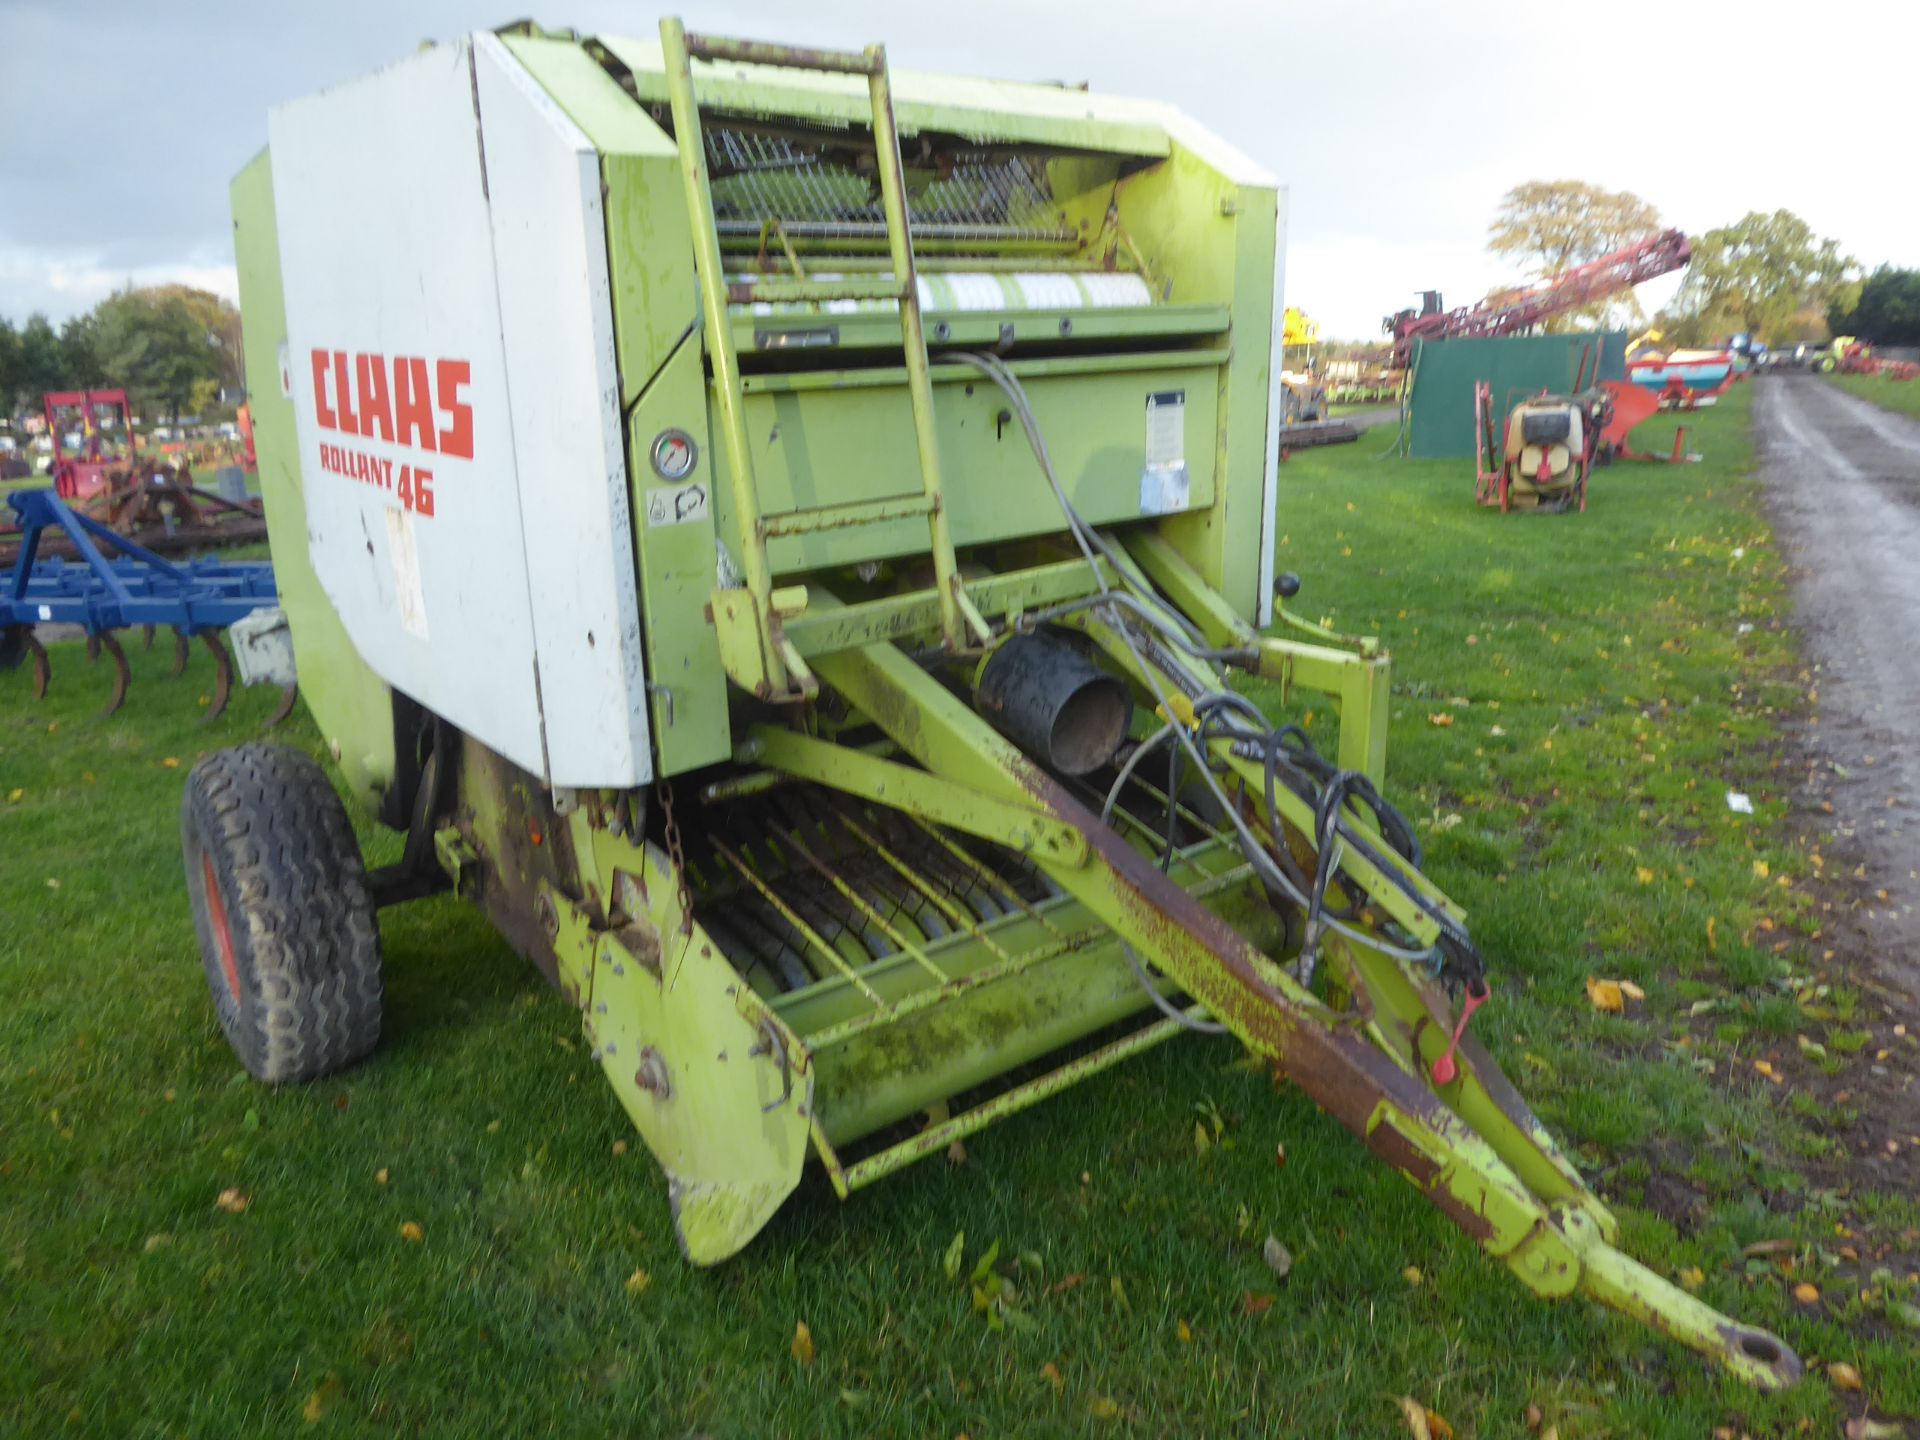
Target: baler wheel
point(285, 917)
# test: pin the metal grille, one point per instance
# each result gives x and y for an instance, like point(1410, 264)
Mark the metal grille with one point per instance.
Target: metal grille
point(823, 189)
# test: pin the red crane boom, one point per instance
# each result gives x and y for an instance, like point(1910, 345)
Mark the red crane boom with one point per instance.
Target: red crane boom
point(1655, 256)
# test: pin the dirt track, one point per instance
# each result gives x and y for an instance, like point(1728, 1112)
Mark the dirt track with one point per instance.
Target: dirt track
point(1843, 488)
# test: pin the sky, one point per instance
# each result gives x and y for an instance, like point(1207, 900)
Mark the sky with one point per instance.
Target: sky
point(1396, 124)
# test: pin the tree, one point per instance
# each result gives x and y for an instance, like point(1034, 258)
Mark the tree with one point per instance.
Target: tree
point(1761, 276)
point(9, 364)
point(1888, 311)
point(79, 351)
point(39, 363)
point(1550, 226)
point(162, 343)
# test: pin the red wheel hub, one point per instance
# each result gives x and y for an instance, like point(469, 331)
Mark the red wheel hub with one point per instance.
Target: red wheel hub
point(222, 932)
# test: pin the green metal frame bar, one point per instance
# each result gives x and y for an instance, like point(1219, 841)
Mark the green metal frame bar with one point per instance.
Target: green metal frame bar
point(936, 1138)
point(888, 377)
point(778, 665)
point(1361, 683)
point(1533, 1214)
point(1020, 828)
point(711, 273)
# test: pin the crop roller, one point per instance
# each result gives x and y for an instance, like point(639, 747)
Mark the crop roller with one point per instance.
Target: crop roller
point(781, 536)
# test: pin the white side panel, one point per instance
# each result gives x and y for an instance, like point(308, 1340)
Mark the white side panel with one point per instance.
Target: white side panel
point(1270, 501)
point(447, 312)
point(556, 314)
point(386, 251)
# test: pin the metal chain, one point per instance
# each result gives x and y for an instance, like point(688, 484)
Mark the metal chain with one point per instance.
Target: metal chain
point(677, 856)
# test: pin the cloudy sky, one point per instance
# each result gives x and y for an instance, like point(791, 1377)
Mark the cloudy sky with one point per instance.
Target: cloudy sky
point(1397, 124)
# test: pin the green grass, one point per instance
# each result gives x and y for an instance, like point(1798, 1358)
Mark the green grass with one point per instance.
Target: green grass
point(1901, 395)
point(1605, 646)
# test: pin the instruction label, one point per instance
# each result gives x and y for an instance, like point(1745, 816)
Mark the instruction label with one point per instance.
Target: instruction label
point(1164, 486)
point(678, 504)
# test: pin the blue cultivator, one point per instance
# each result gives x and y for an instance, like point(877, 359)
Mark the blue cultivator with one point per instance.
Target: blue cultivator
point(136, 587)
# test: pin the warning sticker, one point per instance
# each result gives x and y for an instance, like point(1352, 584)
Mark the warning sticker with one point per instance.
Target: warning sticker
point(1164, 486)
point(403, 553)
point(678, 504)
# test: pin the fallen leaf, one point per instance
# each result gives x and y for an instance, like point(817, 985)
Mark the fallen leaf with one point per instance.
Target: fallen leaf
point(1279, 1259)
point(1183, 1332)
point(802, 1346)
point(1606, 995)
point(1280, 1155)
point(1712, 944)
point(1202, 1142)
point(956, 1154)
point(321, 1400)
point(1806, 1294)
point(1643, 875)
point(1416, 1418)
point(1103, 1408)
point(14, 796)
point(1253, 1302)
point(380, 1176)
point(956, 1255)
point(411, 1232)
point(172, 762)
point(619, 1147)
point(1440, 721)
point(1759, 1248)
point(1412, 1275)
point(1534, 1417)
point(1861, 1428)
point(1438, 1427)
point(1692, 1278)
point(638, 1281)
point(1761, 869)
point(1632, 991)
point(1843, 1375)
point(157, 1242)
point(233, 1201)
point(1050, 1373)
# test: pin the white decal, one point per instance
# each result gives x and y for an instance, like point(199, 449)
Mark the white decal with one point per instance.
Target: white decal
point(678, 504)
point(1164, 483)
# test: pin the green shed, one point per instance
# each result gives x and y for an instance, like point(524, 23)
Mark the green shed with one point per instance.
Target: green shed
point(1440, 402)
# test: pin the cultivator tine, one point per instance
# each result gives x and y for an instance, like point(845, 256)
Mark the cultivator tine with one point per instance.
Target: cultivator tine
point(289, 695)
point(106, 641)
point(146, 637)
point(179, 650)
point(42, 668)
point(222, 675)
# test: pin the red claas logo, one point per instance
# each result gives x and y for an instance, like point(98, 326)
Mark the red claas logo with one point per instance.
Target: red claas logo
point(406, 400)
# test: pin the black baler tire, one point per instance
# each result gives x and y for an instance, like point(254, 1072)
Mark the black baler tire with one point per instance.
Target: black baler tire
point(303, 996)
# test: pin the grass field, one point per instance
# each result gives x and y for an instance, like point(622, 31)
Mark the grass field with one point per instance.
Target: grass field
point(1606, 678)
point(1901, 395)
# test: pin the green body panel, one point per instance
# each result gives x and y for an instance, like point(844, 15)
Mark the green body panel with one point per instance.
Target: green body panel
point(689, 687)
point(648, 239)
point(1208, 240)
point(352, 705)
point(831, 446)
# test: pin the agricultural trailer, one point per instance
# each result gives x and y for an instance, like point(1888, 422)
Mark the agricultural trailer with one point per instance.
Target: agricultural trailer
point(778, 535)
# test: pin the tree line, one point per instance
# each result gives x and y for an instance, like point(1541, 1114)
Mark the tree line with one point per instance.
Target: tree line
point(172, 348)
point(1767, 274)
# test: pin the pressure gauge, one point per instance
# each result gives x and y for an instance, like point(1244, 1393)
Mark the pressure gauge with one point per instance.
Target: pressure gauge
point(673, 454)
